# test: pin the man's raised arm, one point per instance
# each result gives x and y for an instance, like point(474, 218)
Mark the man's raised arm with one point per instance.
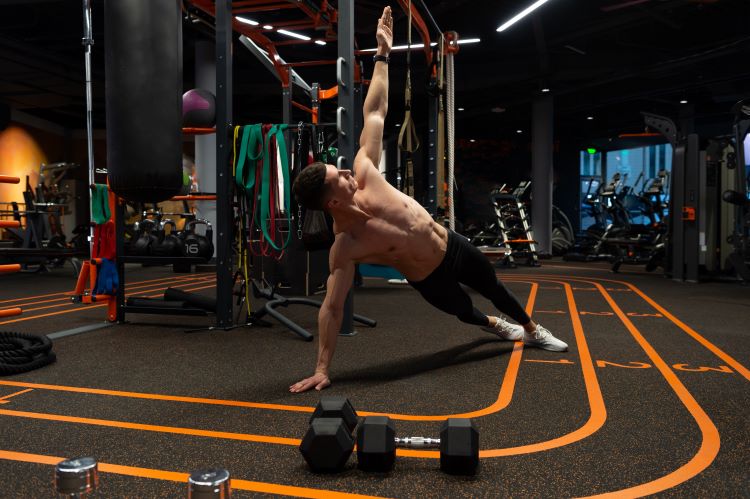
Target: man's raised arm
point(376, 102)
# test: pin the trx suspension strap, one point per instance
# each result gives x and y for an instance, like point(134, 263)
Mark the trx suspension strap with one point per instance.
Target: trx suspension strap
point(407, 137)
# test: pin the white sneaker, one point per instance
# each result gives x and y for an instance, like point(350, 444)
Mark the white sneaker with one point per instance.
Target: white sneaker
point(542, 338)
point(505, 330)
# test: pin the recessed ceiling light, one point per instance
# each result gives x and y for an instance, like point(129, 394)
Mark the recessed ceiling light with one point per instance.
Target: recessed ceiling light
point(460, 109)
point(589, 117)
point(247, 21)
point(398, 125)
point(519, 131)
point(472, 140)
point(268, 26)
point(683, 101)
point(417, 46)
point(320, 42)
point(545, 90)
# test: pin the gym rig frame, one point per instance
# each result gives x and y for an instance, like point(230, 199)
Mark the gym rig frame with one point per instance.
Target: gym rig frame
point(349, 94)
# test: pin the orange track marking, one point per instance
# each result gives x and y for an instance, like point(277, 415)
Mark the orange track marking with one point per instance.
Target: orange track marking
point(174, 476)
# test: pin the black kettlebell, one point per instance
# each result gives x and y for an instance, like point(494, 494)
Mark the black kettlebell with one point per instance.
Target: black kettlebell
point(147, 239)
point(169, 244)
point(196, 245)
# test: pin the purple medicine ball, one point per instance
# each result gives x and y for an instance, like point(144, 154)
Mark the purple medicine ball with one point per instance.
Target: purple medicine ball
point(198, 108)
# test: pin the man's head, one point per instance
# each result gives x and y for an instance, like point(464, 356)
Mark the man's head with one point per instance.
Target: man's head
point(321, 187)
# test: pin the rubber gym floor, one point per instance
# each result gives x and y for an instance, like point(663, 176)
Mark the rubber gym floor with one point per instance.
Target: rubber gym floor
point(651, 398)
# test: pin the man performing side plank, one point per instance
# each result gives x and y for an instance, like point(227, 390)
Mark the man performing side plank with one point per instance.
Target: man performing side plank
point(375, 223)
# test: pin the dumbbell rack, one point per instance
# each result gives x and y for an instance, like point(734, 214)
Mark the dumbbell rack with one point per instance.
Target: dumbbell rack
point(15, 267)
point(512, 222)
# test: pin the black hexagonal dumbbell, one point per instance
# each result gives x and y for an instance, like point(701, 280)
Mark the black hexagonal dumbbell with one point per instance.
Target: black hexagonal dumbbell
point(458, 444)
point(329, 441)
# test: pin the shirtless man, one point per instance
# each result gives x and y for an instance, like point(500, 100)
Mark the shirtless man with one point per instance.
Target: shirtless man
point(375, 223)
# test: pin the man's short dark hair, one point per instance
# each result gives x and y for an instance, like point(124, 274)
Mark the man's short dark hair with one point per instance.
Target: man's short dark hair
point(310, 188)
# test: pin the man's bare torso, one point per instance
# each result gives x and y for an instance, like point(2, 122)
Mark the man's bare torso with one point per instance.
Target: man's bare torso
point(399, 233)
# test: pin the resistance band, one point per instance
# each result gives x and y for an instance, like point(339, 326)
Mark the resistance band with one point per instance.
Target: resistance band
point(408, 141)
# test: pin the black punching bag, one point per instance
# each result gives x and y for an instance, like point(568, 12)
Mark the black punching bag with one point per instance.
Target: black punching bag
point(143, 62)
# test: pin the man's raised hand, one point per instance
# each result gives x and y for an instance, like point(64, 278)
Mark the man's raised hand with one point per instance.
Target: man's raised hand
point(385, 32)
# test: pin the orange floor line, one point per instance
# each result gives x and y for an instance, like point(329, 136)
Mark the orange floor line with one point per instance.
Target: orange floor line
point(81, 308)
point(745, 372)
point(711, 440)
point(596, 419)
point(504, 397)
point(5, 399)
point(66, 294)
point(66, 301)
point(195, 432)
point(506, 388)
point(697, 337)
point(174, 476)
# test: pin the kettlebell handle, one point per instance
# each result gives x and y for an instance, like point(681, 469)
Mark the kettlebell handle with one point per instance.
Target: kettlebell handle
point(191, 225)
point(147, 221)
point(171, 223)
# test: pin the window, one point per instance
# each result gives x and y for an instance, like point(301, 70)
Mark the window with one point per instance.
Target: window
point(637, 167)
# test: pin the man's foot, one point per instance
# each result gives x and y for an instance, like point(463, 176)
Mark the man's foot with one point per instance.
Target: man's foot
point(505, 330)
point(542, 338)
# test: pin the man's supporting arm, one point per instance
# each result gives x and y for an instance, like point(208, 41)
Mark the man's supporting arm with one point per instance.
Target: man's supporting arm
point(332, 313)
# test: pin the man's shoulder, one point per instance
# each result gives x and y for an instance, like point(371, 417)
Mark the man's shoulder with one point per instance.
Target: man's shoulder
point(346, 250)
point(365, 169)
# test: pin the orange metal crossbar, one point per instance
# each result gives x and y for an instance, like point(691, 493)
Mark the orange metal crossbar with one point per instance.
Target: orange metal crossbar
point(10, 268)
point(198, 131)
point(9, 224)
point(7, 179)
point(303, 108)
point(11, 312)
point(329, 93)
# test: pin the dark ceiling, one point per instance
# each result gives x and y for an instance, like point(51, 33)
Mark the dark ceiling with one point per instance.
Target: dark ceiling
point(608, 59)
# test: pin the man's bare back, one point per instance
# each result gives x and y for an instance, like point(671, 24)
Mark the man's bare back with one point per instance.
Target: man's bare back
point(398, 232)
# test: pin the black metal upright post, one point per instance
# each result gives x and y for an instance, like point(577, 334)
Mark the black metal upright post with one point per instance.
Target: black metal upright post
point(346, 116)
point(120, 252)
point(224, 309)
point(431, 194)
point(293, 265)
point(691, 209)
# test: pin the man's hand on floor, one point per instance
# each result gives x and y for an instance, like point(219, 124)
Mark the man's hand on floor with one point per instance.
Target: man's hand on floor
point(317, 380)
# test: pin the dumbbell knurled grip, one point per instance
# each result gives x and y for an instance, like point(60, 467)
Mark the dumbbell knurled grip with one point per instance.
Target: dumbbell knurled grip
point(417, 442)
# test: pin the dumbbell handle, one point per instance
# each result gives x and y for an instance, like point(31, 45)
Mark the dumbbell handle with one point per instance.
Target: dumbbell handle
point(417, 442)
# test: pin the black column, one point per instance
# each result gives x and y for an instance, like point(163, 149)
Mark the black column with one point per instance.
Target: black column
point(224, 234)
point(541, 172)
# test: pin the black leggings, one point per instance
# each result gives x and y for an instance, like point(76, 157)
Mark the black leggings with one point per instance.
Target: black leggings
point(465, 264)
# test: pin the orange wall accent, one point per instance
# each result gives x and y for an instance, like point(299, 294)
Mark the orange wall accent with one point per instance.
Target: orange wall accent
point(20, 155)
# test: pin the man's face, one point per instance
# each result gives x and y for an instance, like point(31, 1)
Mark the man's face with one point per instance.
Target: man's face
point(343, 185)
